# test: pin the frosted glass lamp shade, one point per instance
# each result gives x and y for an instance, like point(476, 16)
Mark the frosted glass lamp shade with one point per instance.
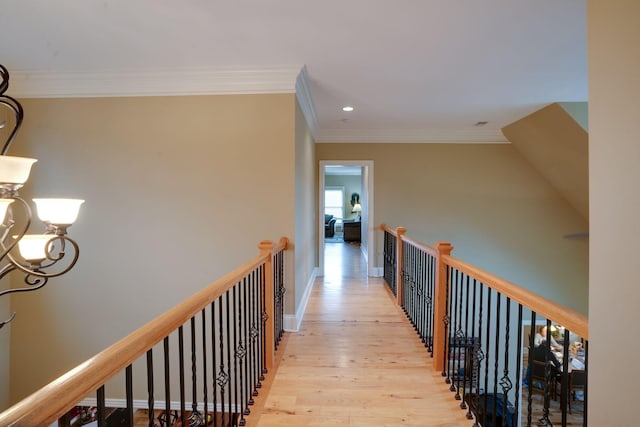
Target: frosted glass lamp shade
point(33, 246)
point(15, 170)
point(58, 211)
point(357, 208)
point(4, 204)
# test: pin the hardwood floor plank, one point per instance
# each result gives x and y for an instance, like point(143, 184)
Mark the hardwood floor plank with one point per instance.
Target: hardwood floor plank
point(356, 360)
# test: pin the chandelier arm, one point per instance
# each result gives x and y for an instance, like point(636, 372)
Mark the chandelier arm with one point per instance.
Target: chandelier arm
point(13, 105)
point(8, 320)
point(4, 85)
point(21, 233)
point(34, 285)
point(37, 270)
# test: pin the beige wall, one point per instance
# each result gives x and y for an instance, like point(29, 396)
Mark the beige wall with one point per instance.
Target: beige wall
point(496, 210)
point(614, 153)
point(178, 192)
point(305, 212)
point(5, 341)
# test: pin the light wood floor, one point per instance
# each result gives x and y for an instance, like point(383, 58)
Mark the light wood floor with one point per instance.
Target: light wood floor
point(356, 360)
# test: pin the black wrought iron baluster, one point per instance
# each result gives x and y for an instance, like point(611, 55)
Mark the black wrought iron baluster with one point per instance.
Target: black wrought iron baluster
point(445, 321)
point(247, 339)
point(479, 354)
point(430, 320)
point(406, 283)
point(394, 265)
point(467, 345)
point(453, 307)
point(205, 385)
point(565, 399)
point(214, 360)
point(223, 377)
point(230, 350)
point(518, 364)
point(263, 324)
point(586, 383)
point(128, 374)
point(195, 419)
point(280, 291)
point(423, 296)
point(167, 382)
point(529, 374)
point(182, 382)
point(487, 356)
point(453, 327)
point(241, 350)
point(505, 382)
point(460, 337)
point(420, 293)
point(496, 356)
point(474, 349)
point(253, 344)
point(276, 303)
point(412, 285)
point(417, 293)
point(150, 401)
point(100, 414)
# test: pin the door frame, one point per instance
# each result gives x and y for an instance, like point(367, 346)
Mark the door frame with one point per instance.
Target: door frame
point(367, 192)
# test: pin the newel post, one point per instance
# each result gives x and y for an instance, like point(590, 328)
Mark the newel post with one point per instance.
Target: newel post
point(266, 248)
point(440, 307)
point(400, 231)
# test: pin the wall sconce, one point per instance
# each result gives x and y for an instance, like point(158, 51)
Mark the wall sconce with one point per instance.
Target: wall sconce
point(39, 256)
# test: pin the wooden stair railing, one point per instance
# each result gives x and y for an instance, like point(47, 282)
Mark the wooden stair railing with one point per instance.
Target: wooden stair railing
point(471, 322)
point(48, 404)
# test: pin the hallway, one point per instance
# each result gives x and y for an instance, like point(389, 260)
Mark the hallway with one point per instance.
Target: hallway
point(356, 361)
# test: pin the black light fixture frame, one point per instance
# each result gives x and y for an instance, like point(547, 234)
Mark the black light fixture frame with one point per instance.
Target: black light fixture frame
point(38, 272)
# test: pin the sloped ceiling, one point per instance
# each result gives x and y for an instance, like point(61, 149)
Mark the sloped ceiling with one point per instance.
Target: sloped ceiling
point(557, 146)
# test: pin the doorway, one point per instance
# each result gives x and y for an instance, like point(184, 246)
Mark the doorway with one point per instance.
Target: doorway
point(349, 212)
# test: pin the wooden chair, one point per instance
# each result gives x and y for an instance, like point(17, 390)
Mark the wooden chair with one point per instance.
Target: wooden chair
point(577, 381)
point(538, 376)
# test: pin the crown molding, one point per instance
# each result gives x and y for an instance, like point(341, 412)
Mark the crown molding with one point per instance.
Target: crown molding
point(449, 136)
point(201, 81)
point(305, 100)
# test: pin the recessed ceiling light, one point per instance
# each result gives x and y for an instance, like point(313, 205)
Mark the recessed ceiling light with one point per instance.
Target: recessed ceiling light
point(347, 108)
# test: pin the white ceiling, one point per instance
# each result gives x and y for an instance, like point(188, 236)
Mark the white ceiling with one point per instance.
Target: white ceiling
point(415, 70)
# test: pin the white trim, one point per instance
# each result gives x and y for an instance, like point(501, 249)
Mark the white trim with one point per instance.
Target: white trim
point(198, 81)
point(377, 272)
point(305, 99)
point(291, 323)
point(449, 136)
point(368, 188)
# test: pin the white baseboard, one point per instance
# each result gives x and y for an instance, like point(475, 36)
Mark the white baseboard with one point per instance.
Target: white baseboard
point(377, 272)
point(292, 322)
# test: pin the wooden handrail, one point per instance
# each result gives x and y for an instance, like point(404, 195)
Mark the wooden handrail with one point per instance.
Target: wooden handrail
point(419, 245)
point(52, 401)
point(282, 245)
point(391, 231)
point(572, 320)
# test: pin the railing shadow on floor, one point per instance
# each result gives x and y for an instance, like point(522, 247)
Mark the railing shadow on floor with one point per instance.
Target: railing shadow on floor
point(488, 337)
point(211, 351)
